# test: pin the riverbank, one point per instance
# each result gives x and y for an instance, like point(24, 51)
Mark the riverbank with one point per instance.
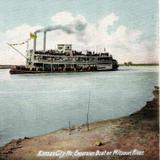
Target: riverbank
point(138, 131)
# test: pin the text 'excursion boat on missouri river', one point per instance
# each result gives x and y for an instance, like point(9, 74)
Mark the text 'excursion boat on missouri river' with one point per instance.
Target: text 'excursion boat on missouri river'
point(62, 59)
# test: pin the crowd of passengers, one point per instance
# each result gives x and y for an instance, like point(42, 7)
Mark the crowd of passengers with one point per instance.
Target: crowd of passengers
point(74, 53)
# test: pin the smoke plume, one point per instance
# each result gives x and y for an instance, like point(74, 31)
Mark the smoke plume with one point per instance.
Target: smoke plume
point(69, 29)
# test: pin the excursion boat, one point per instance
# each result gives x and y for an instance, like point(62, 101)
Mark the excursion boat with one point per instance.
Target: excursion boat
point(63, 59)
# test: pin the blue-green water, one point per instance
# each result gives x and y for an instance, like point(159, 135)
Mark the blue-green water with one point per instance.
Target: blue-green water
point(37, 104)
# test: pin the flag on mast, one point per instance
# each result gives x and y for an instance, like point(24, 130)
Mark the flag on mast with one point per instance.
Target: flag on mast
point(32, 36)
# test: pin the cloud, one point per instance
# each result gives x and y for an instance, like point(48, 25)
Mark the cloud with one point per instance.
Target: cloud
point(67, 18)
point(123, 43)
point(16, 35)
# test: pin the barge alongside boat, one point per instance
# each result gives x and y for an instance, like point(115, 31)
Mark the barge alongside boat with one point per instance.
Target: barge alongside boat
point(64, 59)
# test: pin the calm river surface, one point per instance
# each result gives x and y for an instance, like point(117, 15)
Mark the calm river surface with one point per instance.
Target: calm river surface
point(37, 104)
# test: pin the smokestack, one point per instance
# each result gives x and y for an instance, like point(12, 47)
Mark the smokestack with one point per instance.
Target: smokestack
point(44, 41)
point(34, 42)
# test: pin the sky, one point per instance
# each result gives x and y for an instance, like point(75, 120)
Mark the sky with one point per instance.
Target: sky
point(126, 28)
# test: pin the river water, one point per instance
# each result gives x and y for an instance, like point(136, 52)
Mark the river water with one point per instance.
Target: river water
point(37, 104)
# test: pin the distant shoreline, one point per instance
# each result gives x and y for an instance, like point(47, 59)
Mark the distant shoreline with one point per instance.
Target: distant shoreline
point(140, 64)
point(6, 66)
